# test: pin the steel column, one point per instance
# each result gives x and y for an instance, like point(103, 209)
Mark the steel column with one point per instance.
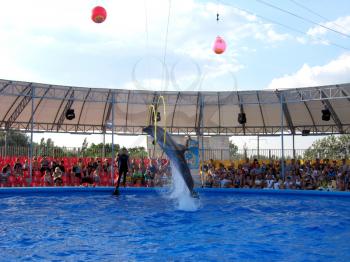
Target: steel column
point(112, 164)
point(31, 135)
point(282, 135)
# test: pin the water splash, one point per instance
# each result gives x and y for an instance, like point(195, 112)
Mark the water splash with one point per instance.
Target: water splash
point(180, 193)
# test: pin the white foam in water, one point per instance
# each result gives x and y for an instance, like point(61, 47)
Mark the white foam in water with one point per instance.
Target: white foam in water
point(180, 192)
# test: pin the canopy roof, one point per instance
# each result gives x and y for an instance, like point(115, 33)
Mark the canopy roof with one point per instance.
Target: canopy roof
point(209, 113)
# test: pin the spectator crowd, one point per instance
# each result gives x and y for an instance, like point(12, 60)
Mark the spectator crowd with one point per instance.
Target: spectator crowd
point(72, 171)
point(147, 172)
point(309, 175)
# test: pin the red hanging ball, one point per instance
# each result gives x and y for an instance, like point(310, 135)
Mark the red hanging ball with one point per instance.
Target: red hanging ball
point(99, 14)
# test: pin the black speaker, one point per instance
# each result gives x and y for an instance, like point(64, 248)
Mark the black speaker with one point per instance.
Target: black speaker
point(305, 132)
point(242, 119)
point(70, 115)
point(326, 114)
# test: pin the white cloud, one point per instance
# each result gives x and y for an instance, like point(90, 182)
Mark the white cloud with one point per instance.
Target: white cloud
point(341, 24)
point(335, 72)
point(56, 41)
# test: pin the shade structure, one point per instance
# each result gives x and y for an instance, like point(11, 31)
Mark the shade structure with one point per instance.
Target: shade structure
point(208, 113)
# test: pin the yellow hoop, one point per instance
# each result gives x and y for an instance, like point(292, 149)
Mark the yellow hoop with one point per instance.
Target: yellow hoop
point(152, 111)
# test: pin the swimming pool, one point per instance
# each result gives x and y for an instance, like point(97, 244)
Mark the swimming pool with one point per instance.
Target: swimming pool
point(92, 225)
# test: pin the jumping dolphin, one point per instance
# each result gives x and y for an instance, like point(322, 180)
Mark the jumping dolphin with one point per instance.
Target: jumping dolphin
point(175, 152)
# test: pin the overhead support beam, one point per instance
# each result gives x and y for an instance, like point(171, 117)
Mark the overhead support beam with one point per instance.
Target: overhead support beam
point(63, 114)
point(37, 106)
point(241, 109)
point(261, 112)
point(19, 109)
point(333, 113)
point(127, 109)
point(6, 85)
point(309, 111)
point(59, 108)
point(107, 109)
point(286, 112)
point(26, 93)
point(345, 94)
point(219, 111)
point(172, 118)
point(82, 107)
point(199, 120)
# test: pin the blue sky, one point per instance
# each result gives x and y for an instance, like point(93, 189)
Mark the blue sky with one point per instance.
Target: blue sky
point(56, 42)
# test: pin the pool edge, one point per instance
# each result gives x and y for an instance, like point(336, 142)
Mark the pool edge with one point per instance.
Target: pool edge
point(141, 190)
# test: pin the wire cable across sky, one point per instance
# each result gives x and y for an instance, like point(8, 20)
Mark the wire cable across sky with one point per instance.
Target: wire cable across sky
point(302, 18)
point(284, 25)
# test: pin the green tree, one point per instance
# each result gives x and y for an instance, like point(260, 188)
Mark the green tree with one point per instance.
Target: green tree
point(331, 147)
point(233, 150)
point(14, 138)
point(139, 151)
point(84, 146)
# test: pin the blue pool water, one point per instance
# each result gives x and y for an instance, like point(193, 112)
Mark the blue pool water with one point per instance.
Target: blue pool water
point(95, 226)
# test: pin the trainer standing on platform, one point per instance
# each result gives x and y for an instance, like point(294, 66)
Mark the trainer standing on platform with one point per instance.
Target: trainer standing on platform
point(123, 167)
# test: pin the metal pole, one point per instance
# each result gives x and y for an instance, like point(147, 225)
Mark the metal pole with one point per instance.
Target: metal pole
point(202, 138)
point(293, 146)
point(282, 135)
point(5, 143)
point(31, 136)
point(258, 141)
point(103, 145)
point(112, 162)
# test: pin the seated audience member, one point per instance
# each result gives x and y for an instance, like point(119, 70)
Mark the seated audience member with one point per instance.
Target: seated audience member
point(165, 179)
point(76, 170)
point(53, 165)
point(61, 166)
point(237, 180)
point(35, 164)
point(106, 166)
point(322, 182)
point(17, 168)
point(270, 181)
point(137, 176)
point(347, 180)
point(149, 177)
point(209, 181)
point(259, 182)
point(288, 184)
point(248, 181)
point(44, 165)
point(57, 176)
point(88, 178)
point(309, 182)
point(5, 173)
point(298, 182)
point(226, 182)
point(47, 178)
point(25, 165)
point(331, 174)
point(99, 166)
point(341, 181)
point(96, 177)
point(277, 184)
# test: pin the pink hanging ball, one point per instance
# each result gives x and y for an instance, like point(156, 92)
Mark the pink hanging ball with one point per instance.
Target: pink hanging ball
point(219, 45)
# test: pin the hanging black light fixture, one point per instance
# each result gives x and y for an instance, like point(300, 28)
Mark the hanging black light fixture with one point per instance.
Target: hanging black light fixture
point(70, 115)
point(326, 114)
point(242, 119)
